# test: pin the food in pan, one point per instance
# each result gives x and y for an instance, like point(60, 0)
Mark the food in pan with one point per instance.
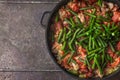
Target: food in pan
point(86, 37)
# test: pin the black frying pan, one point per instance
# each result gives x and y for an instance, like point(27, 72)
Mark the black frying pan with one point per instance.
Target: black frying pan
point(48, 40)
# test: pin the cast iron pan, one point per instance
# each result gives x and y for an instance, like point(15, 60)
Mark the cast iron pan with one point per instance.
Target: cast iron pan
point(48, 41)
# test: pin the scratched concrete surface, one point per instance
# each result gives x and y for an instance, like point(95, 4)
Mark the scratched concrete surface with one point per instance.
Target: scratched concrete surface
point(23, 54)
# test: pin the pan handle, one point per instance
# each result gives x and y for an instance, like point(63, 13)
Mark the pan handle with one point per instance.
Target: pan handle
point(42, 18)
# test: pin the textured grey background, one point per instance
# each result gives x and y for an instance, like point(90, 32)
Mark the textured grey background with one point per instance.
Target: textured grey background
point(23, 54)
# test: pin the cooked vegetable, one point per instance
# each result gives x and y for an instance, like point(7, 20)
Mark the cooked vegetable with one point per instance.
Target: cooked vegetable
point(88, 45)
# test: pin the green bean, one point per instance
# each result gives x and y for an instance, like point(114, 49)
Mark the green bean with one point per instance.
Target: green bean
point(100, 45)
point(103, 56)
point(87, 62)
point(91, 15)
point(74, 72)
point(104, 65)
point(75, 14)
point(100, 3)
point(78, 21)
point(94, 64)
point(69, 34)
point(86, 8)
point(81, 60)
point(118, 53)
point(108, 25)
point(92, 23)
point(109, 58)
point(98, 64)
point(77, 43)
point(66, 53)
point(64, 45)
point(99, 58)
point(73, 23)
point(82, 40)
point(111, 46)
point(106, 28)
point(60, 36)
point(64, 35)
point(86, 33)
point(56, 18)
point(97, 24)
point(69, 60)
point(97, 34)
point(91, 58)
point(101, 42)
point(102, 19)
point(90, 40)
point(73, 61)
point(81, 31)
point(70, 46)
point(91, 55)
point(74, 36)
point(94, 51)
point(68, 21)
point(93, 43)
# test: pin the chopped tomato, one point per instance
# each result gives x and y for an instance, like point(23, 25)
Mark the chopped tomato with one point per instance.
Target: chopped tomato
point(116, 16)
point(116, 62)
point(83, 66)
point(61, 52)
point(64, 62)
point(84, 70)
point(108, 64)
point(64, 13)
point(77, 59)
point(74, 6)
point(83, 4)
point(82, 51)
point(110, 52)
point(58, 25)
point(89, 74)
point(75, 0)
point(87, 18)
point(118, 46)
point(92, 1)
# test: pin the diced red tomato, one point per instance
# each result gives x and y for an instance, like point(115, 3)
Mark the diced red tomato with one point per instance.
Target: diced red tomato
point(83, 4)
point(83, 66)
point(116, 16)
point(87, 18)
point(89, 74)
point(108, 64)
point(82, 51)
point(58, 26)
point(116, 62)
point(75, 0)
point(92, 1)
point(64, 13)
point(85, 70)
point(118, 46)
point(77, 59)
point(74, 6)
point(110, 52)
point(64, 62)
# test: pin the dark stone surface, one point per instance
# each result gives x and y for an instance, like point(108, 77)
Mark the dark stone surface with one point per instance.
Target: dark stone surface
point(32, 0)
point(23, 54)
point(33, 76)
point(22, 39)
